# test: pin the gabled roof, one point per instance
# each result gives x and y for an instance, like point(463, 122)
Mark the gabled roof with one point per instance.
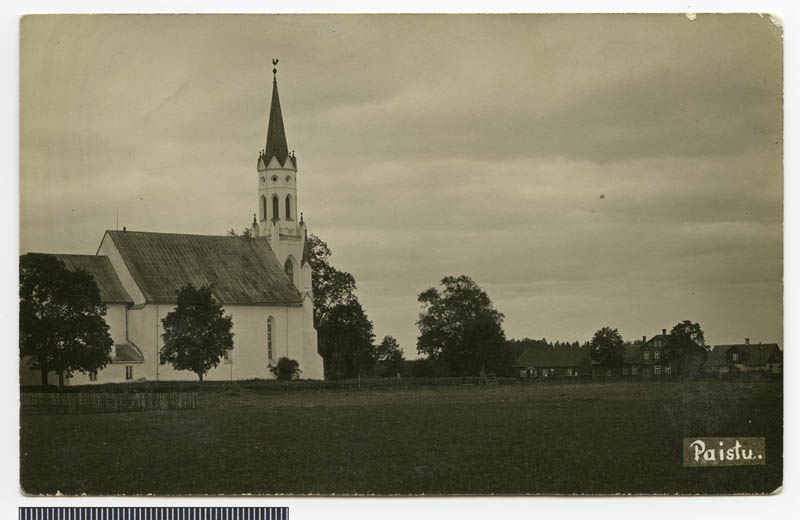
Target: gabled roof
point(665, 339)
point(111, 289)
point(561, 357)
point(631, 354)
point(716, 358)
point(757, 354)
point(240, 270)
point(127, 353)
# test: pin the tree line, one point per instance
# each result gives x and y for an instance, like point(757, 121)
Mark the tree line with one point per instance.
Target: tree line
point(460, 331)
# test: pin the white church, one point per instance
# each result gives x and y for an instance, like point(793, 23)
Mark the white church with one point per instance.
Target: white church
point(262, 281)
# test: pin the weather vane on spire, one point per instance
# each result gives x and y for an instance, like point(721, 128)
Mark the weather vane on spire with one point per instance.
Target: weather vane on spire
point(275, 66)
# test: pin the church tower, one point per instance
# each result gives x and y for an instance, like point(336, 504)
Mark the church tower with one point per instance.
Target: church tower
point(277, 214)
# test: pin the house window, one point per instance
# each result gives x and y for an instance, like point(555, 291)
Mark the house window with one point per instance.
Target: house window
point(288, 207)
point(635, 371)
point(92, 376)
point(668, 369)
point(270, 332)
point(735, 356)
point(657, 370)
point(569, 372)
point(263, 208)
point(624, 371)
point(128, 372)
point(227, 357)
point(275, 213)
point(646, 355)
point(657, 355)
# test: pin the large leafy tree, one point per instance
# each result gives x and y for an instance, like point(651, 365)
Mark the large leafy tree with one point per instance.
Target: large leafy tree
point(607, 348)
point(688, 330)
point(346, 338)
point(197, 333)
point(331, 286)
point(61, 322)
point(344, 332)
point(389, 357)
point(459, 327)
point(687, 346)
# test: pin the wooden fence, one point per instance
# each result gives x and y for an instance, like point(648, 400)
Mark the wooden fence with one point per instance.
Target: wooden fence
point(475, 380)
point(75, 403)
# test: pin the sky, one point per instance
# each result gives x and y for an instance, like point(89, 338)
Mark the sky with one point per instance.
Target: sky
point(585, 170)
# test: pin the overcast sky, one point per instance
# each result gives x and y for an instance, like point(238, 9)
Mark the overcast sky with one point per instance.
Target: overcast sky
point(584, 170)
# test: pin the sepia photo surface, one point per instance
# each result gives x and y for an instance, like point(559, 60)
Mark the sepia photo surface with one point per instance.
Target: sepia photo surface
point(457, 254)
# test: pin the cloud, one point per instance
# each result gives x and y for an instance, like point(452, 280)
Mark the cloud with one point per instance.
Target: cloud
point(585, 170)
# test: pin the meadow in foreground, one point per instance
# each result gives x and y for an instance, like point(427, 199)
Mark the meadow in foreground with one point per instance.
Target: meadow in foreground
point(508, 439)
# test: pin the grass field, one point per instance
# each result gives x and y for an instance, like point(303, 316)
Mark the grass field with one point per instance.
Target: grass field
point(507, 439)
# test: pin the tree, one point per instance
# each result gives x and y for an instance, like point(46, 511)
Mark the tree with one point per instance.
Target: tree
point(688, 330)
point(61, 324)
point(345, 338)
point(389, 357)
point(687, 346)
point(607, 348)
point(246, 233)
point(331, 286)
point(344, 333)
point(286, 369)
point(459, 327)
point(197, 333)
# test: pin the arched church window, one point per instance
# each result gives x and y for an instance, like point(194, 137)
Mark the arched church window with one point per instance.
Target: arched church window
point(289, 268)
point(263, 208)
point(275, 213)
point(288, 207)
point(270, 334)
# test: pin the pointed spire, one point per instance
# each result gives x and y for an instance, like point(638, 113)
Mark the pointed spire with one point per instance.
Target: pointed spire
point(276, 136)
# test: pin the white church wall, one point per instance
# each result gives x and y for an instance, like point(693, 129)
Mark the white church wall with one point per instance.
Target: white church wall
point(249, 356)
point(116, 317)
point(30, 376)
point(112, 373)
point(310, 361)
point(108, 249)
point(117, 324)
point(293, 336)
point(144, 331)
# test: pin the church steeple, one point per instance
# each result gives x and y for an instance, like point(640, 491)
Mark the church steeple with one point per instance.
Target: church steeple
point(277, 182)
point(276, 135)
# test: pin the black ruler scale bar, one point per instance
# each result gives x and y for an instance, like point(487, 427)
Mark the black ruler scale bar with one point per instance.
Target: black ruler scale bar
point(153, 513)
